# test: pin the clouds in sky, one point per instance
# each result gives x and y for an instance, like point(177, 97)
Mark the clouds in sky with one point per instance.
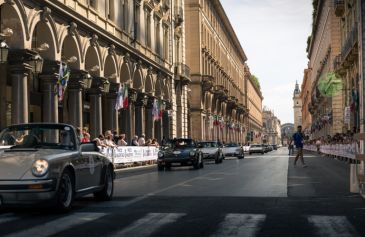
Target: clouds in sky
point(273, 34)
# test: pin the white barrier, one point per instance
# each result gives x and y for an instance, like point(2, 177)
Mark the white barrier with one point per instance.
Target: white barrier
point(130, 154)
point(342, 150)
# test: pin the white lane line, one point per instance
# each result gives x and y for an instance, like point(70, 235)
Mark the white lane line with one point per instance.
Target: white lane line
point(58, 225)
point(246, 225)
point(148, 224)
point(8, 218)
point(336, 226)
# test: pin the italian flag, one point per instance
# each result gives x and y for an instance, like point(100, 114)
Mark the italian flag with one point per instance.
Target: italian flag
point(125, 97)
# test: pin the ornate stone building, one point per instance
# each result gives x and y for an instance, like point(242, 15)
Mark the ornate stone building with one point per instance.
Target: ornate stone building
point(217, 98)
point(254, 104)
point(139, 44)
point(271, 127)
point(324, 46)
point(305, 97)
point(297, 106)
point(287, 131)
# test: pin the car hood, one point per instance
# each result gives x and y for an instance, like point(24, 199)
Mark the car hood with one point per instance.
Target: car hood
point(15, 164)
point(182, 152)
point(211, 150)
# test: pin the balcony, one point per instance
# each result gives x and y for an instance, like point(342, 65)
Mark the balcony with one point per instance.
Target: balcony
point(183, 72)
point(207, 82)
point(349, 44)
point(339, 7)
point(218, 90)
point(179, 16)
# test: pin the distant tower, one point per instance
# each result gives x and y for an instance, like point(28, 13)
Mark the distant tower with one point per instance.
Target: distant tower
point(297, 106)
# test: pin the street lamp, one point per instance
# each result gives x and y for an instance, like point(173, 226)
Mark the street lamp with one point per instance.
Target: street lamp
point(37, 64)
point(4, 51)
point(87, 81)
point(106, 85)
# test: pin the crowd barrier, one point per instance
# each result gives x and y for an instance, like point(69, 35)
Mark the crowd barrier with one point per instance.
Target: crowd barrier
point(342, 150)
point(130, 154)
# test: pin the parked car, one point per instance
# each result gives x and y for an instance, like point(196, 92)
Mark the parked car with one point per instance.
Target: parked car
point(275, 147)
point(180, 152)
point(46, 162)
point(256, 148)
point(233, 149)
point(212, 150)
point(270, 147)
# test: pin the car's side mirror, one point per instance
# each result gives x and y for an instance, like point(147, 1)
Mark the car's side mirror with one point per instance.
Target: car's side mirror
point(89, 147)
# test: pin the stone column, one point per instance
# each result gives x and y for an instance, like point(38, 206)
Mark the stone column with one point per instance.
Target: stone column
point(110, 115)
point(3, 105)
point(128, 116)
point(179, 110)
point(140, 113)
point(149, 123)
point(49, 98)
point(74, 101)
point(96, 120)
point(19, 95)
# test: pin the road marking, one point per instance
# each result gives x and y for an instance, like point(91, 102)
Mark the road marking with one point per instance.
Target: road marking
point(328, 226)
point(240, 225)
point(148, 224)
point(8, 218)
point(58, 225)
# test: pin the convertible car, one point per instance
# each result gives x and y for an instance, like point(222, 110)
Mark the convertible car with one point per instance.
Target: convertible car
point(45, 163)
point(180, 152)
point(233, 149)
point(212, 150)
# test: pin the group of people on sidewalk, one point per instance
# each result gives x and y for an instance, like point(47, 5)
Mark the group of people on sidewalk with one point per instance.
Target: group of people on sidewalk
point(113, 139)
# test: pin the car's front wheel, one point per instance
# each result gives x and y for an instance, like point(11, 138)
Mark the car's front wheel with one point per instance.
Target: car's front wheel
point(106, 193)
point(65, 192)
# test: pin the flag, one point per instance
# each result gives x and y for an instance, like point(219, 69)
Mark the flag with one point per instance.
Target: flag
point(155, 112)
point(63, 76)
point(120, 96)
point(160, 111)
point(125, 97)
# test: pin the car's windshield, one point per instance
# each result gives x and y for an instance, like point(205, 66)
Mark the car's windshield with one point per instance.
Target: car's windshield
point(38, 136)
point(231, 145)
point(180, 143)
point(208, 144)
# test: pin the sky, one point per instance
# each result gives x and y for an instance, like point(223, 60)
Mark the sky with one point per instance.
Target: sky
point(273, 34)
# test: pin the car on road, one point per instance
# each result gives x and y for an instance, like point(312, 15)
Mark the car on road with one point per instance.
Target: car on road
point(257, 148)
point(45, 163)
point(233, 149)
point(180, 152)
point(275, 147)
point(212, 150)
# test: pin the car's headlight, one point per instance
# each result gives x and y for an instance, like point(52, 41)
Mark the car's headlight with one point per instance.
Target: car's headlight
point(192, 153)
point(40, 168)
point(160, 154)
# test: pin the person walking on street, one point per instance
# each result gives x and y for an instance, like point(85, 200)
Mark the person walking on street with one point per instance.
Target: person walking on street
point(298, 138)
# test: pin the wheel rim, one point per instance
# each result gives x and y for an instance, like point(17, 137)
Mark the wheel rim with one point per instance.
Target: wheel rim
point(109, 182)
point(66, 191)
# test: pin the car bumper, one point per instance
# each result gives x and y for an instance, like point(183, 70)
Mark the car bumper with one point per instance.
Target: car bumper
point(256, 151)
point(177, 161)
point(27, 191)
point(233, 154)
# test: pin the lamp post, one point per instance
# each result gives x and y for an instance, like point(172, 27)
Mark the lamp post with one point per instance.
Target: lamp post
point(4, 51)
point(87, 80)
point(37, 64)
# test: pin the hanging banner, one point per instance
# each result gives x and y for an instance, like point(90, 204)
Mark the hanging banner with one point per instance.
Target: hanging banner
point(130, 154)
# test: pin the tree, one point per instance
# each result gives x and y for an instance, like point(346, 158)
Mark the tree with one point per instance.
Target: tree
point(256, 81)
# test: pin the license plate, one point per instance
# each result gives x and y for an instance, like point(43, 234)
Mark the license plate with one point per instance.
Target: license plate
point(177, 152)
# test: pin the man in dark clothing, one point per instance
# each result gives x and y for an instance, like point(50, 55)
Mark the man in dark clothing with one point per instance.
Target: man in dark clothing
point(298, 138)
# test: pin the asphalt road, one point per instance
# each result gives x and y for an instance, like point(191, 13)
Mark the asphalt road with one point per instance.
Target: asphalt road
point(258, 196)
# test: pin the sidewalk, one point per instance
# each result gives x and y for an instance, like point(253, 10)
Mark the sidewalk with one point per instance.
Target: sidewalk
point(323, 177)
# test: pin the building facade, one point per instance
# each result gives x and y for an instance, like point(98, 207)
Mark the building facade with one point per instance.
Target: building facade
point(271, 128)
point(305, 97)
point(287, 131)
point(254, 104)
point(217, 93)
point(139, 45)
point(324, 46)
point(297, 106)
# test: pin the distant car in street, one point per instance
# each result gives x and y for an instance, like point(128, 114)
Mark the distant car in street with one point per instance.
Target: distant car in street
point(275, 147)
point(257, 148)
point(180, 152)
point(45, 162)
point(233, 149)
point(212, 150)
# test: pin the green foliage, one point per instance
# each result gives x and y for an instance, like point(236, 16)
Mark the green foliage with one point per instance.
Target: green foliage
point(256, 81)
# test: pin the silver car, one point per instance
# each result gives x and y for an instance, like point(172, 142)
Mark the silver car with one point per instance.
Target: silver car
point(211, 150)
point(233, 149)
point(46, 163)
point(257, 149)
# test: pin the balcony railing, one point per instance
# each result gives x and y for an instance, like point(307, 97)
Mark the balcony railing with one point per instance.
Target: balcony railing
point(183, 71)
point(339, 7)
point(351, 40)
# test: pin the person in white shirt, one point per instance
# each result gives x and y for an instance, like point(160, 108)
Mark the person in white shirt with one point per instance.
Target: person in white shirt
point(109, 139)
point(141, 140)
point(121, 140)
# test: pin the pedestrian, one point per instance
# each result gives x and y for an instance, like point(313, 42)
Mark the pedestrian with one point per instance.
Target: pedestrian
point(141, 140)
point(85, 138)
point(298, 141)
point(318, 145)
point(148, 142)
point(163, 141)
point(134, 141)
point(154, 142)
point(109, 139)
point(121, 140)
point(115, 137)
point(100, 141)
